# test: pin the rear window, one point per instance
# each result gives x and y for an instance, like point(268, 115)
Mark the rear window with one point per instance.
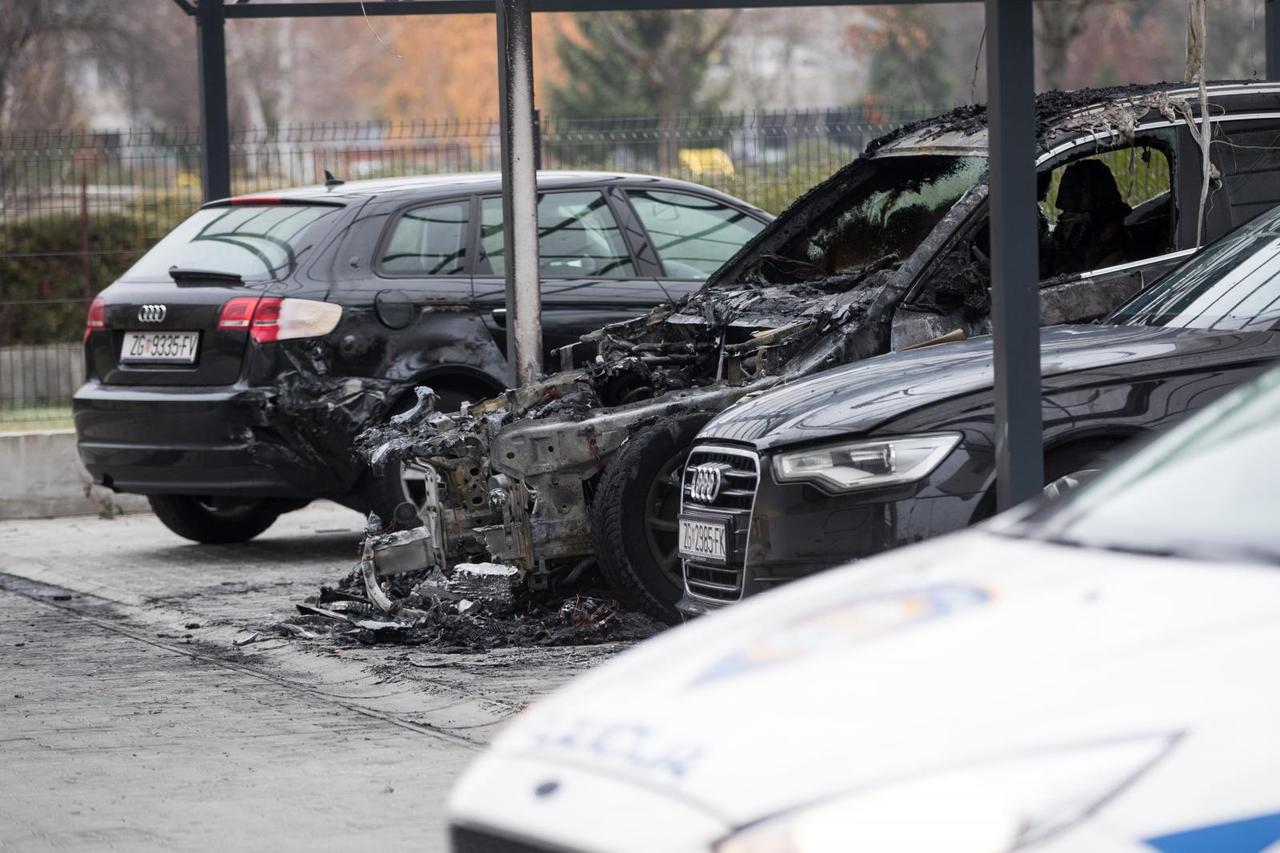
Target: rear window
point(255, 241)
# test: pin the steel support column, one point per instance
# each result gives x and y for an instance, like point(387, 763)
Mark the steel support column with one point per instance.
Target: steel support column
point(519, 189)
point(215, 132)
point(1015, 251)
point(1271, 27)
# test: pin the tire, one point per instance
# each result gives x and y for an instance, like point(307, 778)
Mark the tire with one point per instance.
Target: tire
point(1064, 469)
point(212, 522)
point(1067, 468)
point(386, 490)
point(633, 517)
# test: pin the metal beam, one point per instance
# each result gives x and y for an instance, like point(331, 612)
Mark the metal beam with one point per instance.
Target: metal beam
point(1015, 250)
point(215, 132)
point(519, 189)
point(378, 8)
point(1271, 28)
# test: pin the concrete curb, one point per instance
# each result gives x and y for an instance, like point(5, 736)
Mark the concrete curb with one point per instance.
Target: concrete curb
point(41, 477)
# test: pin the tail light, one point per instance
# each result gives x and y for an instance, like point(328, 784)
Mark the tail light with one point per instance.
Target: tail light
point(272, 318)
point(97, 319)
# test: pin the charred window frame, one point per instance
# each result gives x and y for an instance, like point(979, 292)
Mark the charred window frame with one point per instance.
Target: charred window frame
point(397, 214)
point(1165, 140)
point(972, 236)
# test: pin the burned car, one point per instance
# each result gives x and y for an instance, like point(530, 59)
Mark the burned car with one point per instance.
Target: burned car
point(230, 369)
point(901, 448)
point(888, 253)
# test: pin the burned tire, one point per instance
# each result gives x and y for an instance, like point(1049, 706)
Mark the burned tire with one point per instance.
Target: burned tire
point(214, 521)
point(633, 517)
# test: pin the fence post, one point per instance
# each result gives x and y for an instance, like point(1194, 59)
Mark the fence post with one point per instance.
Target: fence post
point(86, 264)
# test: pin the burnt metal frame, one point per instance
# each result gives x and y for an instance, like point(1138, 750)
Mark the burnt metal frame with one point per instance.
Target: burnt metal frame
point(1015, 250)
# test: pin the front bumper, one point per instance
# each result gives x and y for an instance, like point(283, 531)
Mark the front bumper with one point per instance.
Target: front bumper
point(794, 530)
point(176, 441)
point(529, 804)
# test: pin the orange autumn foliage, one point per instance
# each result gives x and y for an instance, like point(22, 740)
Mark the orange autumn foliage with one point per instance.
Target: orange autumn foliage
point(446, 66)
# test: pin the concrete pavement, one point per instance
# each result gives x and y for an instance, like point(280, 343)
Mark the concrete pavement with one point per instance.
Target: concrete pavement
point(130, 719)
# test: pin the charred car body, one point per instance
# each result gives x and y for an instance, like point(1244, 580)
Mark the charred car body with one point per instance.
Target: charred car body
point(887, 254)
point(231, 368)
point(900, 448)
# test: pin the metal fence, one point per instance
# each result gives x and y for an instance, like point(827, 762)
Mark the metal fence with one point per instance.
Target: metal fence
point(78, 207)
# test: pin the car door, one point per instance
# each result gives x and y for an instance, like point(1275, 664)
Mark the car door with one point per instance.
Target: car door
point(1113, 218)
point(406, 264)
point(1247, 155)
point(590, 276)
point(1093, 261)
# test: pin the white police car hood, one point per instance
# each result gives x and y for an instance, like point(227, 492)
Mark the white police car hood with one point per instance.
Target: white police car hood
point(965, 650)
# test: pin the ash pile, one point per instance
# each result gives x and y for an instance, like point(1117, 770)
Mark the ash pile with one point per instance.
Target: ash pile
point(395, 595)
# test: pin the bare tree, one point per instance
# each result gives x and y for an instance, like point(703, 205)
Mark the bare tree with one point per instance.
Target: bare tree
point(1058, 25)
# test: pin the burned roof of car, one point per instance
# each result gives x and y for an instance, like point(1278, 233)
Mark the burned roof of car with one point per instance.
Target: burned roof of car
point(463, 182)
point(1061, 115)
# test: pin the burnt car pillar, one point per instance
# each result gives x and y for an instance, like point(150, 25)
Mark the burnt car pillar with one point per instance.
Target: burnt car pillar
point(519, 189)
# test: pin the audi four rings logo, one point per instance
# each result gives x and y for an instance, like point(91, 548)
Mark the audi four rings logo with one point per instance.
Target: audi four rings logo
point(152, 313)
point(705, 481)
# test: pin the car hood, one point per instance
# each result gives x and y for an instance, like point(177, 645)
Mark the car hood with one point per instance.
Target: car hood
point(937, 656)
point(858, 397)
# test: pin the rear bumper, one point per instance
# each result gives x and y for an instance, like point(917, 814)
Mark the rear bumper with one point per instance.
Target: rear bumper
point(154, 441)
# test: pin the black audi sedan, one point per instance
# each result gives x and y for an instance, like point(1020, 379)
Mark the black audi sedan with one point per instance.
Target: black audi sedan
point(900, 448)
point(229, 369)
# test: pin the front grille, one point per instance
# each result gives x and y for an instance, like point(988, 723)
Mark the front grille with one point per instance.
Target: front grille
point(464, 840)
point(739, 474)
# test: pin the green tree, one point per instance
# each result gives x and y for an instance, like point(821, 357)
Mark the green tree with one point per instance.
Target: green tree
point(651, 63)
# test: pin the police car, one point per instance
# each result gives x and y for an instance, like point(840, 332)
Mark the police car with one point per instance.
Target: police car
point(1091, 674)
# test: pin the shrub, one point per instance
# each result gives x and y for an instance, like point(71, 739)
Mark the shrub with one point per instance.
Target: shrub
point(46, 281)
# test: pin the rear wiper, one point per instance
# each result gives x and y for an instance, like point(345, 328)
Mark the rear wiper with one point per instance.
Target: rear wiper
point(182, 275)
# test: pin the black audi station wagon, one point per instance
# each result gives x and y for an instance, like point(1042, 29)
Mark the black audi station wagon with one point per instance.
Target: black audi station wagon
point(901, 448)
point(229, 369)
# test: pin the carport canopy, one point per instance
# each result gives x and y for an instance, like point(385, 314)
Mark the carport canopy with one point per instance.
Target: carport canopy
point(1010, 47)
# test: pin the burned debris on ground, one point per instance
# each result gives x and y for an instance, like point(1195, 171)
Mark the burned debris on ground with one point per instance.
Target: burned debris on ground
point(469, 608)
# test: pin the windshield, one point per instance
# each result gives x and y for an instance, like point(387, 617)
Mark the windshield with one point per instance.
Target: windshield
point(1206, 490)
point(1233, 284)
point(894, 203)
point(254, 241)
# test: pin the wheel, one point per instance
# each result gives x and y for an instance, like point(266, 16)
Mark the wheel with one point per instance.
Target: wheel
point(634, 517)
point(215, 521)
point(397, 484)
point(1070, 467)
point(1065, 469)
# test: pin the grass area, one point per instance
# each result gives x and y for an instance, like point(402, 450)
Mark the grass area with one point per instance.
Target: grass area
point(32, 418)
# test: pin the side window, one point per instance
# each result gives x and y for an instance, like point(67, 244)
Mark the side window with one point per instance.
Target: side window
point(693, 236)
point(1108, 208)
point(1097, 210)
point(428, 240)
point(1251, 165)
point(577, 237)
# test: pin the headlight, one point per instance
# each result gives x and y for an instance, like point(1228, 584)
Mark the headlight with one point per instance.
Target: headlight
point(866, 464)
point(994, 808)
